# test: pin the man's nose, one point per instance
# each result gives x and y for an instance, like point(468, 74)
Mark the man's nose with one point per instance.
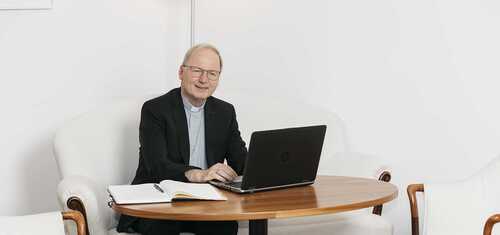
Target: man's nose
point(204, 77)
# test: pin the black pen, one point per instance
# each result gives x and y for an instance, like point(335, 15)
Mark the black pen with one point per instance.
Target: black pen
point(157, 187)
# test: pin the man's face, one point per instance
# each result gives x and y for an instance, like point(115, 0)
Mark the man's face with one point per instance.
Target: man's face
point(197, 87)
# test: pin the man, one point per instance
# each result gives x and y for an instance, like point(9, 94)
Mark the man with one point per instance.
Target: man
point(186, 135)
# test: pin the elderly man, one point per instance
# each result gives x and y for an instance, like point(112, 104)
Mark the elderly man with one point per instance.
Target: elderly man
point(185, 135)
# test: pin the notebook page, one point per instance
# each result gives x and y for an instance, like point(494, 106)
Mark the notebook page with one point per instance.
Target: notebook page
point(136, 194)
point(195, 190)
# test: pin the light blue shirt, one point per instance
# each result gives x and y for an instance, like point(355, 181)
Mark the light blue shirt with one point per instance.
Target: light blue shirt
point(196, 127)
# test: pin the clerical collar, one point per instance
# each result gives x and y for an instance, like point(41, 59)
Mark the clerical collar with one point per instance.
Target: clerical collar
point(188, 106)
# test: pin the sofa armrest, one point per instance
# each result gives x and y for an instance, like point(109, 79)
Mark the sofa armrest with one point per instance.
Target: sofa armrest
point(412, 190)
point(355, 164)
point(76, 216)
point(488, 226)
point(82, 194)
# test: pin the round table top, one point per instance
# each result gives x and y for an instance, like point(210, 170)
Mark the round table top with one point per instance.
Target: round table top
point(329, 194)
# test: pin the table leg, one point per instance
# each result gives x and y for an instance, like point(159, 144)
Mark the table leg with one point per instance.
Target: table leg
point(257, 227)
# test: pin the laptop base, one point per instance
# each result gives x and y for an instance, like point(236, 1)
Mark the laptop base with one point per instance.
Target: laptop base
point(236, 189)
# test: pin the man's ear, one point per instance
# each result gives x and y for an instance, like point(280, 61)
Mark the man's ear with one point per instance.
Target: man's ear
point(181, 72)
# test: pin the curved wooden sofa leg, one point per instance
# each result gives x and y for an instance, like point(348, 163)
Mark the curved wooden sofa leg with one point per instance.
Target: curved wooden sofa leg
point(76, 216)
point(76, 204)
point(412, 196)
point(386, 177)
point(488, 226)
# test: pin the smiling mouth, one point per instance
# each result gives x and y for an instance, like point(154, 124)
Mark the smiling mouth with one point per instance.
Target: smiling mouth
point(203, 88)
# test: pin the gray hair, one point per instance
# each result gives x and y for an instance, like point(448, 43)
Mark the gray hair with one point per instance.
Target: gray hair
point(202, 46)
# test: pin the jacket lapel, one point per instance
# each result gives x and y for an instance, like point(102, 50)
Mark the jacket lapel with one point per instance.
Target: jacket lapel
point(209, 131)
point(182, 128)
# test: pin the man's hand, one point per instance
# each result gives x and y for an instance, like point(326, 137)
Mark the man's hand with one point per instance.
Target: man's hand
point(219, 171)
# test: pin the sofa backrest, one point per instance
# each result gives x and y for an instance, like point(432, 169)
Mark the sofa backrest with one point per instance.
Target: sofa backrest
point(256, 112)
point(103, 144)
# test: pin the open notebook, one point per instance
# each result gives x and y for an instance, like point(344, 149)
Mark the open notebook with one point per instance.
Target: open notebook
point(165, 191)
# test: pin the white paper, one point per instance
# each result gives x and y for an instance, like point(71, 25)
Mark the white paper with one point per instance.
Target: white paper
point(147, 193)
point(136, 194)
point(196, 190)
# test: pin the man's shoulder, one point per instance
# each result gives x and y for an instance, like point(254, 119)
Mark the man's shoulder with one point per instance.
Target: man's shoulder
point(221, 104)
point(164, 101)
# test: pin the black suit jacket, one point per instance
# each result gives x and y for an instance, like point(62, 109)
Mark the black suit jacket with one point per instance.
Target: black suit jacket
point(164, 141)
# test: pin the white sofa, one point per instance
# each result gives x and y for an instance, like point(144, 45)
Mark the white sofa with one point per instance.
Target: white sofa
point(100, 148)
point(43, 223)
point(469, 206)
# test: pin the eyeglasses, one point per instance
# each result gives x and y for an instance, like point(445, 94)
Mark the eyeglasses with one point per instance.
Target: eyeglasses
point(212, 75)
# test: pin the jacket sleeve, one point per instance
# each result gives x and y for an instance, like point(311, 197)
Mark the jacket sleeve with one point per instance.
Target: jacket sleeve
point(154, 150)
point(236, 151)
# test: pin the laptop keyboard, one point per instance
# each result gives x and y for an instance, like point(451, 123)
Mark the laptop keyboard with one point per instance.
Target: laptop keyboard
point(235, 184)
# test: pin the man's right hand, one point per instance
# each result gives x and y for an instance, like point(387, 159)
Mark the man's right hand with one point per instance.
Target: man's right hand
point(219, 171)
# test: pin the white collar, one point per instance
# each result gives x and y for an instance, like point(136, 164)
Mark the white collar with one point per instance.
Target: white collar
point(190, 107)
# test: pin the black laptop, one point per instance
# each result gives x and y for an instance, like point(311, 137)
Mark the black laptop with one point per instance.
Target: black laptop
point(280, 158)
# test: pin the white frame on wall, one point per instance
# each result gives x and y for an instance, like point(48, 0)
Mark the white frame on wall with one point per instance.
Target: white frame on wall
point(25, 4)
point(192, 23)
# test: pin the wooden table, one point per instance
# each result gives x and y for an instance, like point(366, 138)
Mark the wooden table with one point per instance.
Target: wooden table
point(329, 194)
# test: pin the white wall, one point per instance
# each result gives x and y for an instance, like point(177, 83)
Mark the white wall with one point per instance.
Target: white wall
point(56, 64)
point(415, 81)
